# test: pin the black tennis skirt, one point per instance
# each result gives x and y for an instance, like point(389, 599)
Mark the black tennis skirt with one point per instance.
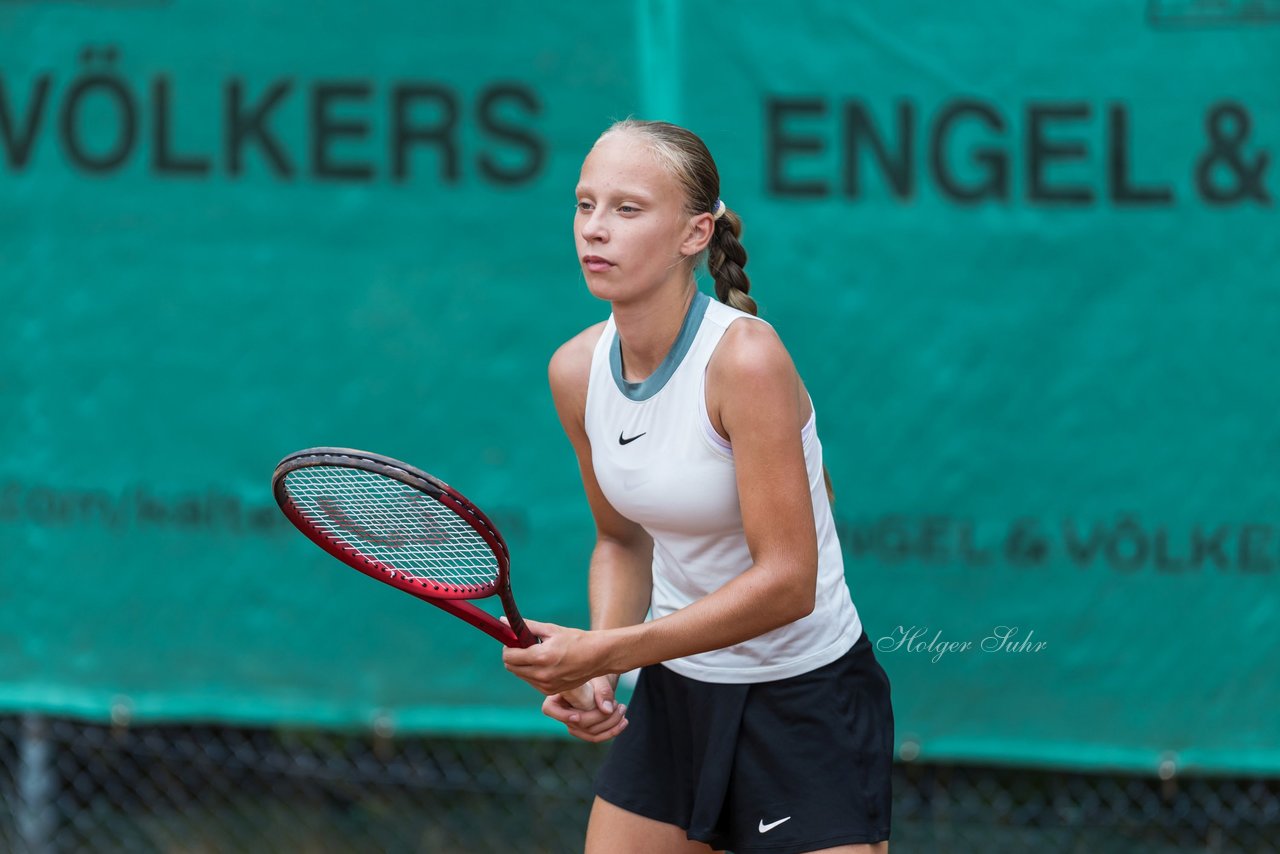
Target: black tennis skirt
point(792, 765)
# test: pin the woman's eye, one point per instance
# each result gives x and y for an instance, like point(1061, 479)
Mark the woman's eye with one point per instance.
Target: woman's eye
point(628, 209)
point(584, 206)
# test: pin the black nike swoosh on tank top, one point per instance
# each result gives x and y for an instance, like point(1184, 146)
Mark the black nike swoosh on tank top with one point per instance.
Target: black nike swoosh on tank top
point(622, 441)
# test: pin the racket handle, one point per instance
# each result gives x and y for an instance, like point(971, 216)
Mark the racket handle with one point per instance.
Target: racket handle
point(582, 698)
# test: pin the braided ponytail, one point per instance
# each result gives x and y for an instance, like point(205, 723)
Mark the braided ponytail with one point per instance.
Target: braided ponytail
point(725, 259)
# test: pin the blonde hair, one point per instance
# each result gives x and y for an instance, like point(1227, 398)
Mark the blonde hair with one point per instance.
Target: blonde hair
point(686, 156)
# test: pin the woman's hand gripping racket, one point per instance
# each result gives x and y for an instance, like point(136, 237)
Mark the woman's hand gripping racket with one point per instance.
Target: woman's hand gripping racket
point(403, 527)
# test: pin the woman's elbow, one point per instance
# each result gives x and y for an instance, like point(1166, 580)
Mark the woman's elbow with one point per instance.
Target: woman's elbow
point(805, 604)
point(800, 595)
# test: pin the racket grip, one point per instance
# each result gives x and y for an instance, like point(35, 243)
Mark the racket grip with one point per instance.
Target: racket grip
point(582, 698)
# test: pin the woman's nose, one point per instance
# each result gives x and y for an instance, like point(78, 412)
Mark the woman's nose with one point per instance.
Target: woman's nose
point(593, 230)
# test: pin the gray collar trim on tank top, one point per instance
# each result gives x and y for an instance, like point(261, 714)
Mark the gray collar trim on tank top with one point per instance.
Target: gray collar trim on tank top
point(653, 384)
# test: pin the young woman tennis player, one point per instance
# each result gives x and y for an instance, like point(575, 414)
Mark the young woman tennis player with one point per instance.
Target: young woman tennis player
point(761, 720)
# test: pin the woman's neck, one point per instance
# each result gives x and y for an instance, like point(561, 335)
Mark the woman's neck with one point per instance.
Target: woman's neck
point(648, 329)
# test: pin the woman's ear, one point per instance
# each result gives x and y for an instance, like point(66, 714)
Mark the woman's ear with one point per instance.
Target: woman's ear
point(698, 234)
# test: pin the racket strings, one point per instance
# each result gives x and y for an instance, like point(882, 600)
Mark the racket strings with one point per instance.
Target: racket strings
point(405, 530)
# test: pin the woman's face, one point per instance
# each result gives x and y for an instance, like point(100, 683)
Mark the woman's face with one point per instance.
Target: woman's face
point(630, 227)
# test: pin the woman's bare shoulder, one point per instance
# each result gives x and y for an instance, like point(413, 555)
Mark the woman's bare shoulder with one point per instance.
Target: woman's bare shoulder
point(570, 365)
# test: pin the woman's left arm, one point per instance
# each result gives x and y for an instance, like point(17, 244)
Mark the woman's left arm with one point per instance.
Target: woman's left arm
point(756, 395)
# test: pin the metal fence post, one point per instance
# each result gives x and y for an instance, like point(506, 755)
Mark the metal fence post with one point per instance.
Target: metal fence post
point(35, 818)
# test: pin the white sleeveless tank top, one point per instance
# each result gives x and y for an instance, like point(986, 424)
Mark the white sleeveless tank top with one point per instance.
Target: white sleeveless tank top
point(661, 464)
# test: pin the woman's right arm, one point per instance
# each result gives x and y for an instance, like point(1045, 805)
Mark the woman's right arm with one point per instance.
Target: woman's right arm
point(620, 574)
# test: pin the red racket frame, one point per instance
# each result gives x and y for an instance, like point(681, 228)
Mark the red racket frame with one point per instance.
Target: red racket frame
point(448, 597)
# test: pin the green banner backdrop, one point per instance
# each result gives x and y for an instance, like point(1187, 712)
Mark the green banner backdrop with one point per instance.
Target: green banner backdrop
point(1024, 257)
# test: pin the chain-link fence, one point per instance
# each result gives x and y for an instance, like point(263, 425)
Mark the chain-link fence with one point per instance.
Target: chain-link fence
point(68, 786)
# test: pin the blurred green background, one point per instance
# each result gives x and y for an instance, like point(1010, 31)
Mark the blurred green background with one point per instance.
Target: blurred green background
point(1025, 258)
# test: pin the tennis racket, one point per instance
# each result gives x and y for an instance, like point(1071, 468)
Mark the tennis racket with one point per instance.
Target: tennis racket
point(403, 527)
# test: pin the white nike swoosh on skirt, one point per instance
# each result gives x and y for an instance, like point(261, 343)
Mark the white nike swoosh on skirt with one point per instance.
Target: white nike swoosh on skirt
point(765, 828)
